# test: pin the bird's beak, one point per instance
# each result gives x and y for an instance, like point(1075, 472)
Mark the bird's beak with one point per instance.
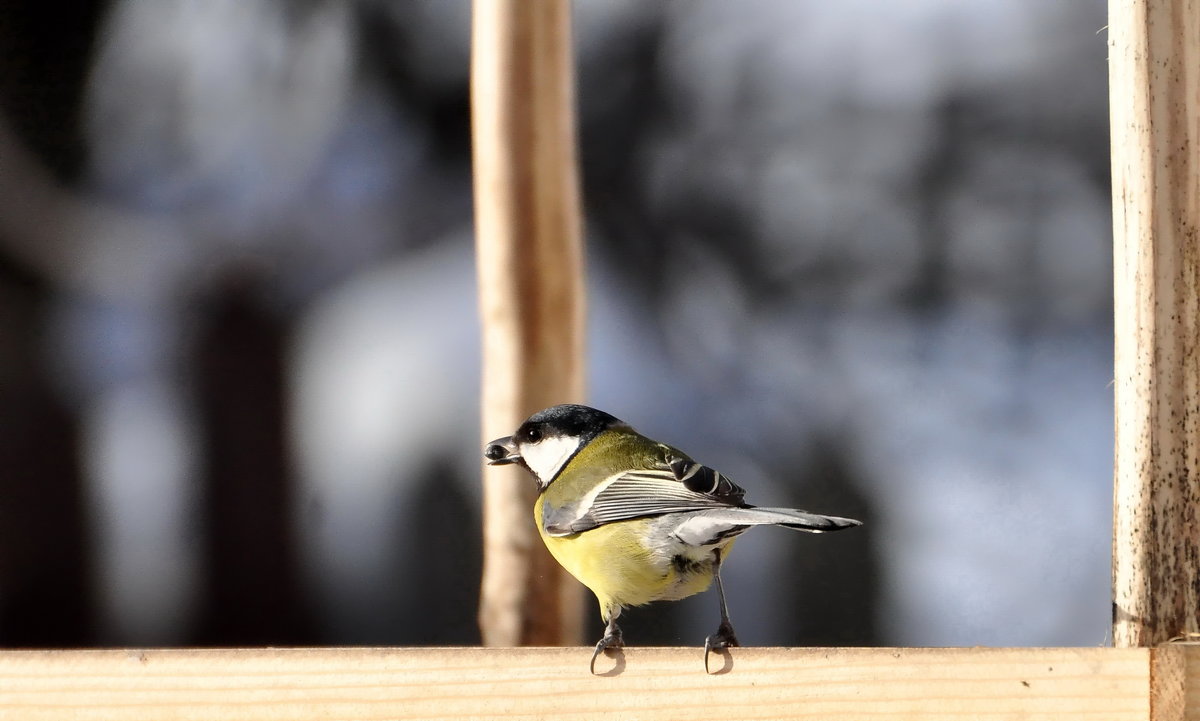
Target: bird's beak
point(501, 452)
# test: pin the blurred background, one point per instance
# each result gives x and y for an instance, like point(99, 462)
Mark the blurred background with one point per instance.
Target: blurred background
point(856, 255)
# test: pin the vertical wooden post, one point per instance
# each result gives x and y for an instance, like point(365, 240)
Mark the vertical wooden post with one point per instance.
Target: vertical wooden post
point(531, 295)
point(1154, 71)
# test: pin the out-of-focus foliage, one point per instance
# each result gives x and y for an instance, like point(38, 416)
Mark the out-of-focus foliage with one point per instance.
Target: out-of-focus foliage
point(855, 254)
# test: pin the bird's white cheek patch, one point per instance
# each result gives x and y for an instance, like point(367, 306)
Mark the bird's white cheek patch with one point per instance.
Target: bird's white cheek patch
point(547, 456)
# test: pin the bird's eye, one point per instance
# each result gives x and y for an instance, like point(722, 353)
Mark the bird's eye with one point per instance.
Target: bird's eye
point(533, 435)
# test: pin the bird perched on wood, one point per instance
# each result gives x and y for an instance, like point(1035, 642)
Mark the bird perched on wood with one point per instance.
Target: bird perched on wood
point(633, 519)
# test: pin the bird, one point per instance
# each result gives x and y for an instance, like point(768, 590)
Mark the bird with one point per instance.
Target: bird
point(633, 519)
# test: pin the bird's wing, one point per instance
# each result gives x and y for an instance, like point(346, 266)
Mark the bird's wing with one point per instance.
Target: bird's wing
point(677, 484)
point(711, 507)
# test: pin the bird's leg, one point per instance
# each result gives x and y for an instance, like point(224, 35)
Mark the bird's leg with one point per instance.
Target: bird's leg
point(724, 637)
point(612, 639)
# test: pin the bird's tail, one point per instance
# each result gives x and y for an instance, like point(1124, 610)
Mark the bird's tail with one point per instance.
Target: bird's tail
point(796, 519)
point(709, 526)
point(803, 520)
point(787, 517)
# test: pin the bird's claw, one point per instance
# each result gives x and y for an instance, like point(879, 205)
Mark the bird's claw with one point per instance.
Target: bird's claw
point(722, 639)
point(612, 639)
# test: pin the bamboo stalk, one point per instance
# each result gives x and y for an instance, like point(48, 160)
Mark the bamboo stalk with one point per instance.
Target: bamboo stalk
point(531, 292)
point(1154, 72)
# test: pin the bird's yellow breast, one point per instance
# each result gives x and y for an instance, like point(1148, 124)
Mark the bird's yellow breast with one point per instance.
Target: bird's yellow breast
point(621, 564)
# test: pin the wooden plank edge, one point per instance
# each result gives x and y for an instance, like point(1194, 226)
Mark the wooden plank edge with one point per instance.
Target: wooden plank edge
point(553, 683)
point(1168, 677)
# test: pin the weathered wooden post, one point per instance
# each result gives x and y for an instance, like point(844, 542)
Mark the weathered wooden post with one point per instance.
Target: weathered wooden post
point(1154, 80)
point(531, 294)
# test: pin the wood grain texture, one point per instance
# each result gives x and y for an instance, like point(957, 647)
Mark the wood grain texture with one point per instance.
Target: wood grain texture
point(531, 293)
point(524, 684)
point(1191, 690)
point(1154, 73)
point(1168, 683)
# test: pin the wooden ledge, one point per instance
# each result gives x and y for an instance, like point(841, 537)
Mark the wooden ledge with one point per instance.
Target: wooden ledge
point(298, 684)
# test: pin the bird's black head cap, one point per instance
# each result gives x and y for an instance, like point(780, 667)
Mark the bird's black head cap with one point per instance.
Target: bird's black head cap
point(569, 419)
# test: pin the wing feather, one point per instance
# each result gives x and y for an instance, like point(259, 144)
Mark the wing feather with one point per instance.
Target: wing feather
point(678, 485)
point(648, 493)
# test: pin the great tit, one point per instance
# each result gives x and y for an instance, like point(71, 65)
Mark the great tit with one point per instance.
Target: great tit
point(633, 519)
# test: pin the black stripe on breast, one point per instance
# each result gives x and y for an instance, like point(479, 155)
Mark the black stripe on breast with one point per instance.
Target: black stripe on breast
point(685, 565)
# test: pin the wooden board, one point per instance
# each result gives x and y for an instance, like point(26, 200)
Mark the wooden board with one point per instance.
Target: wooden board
point(529, 259)
point(1154, 52)
point(884, 684)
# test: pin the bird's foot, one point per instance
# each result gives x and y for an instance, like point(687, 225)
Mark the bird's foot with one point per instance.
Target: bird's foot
point(724, 638)
point(612, 640)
